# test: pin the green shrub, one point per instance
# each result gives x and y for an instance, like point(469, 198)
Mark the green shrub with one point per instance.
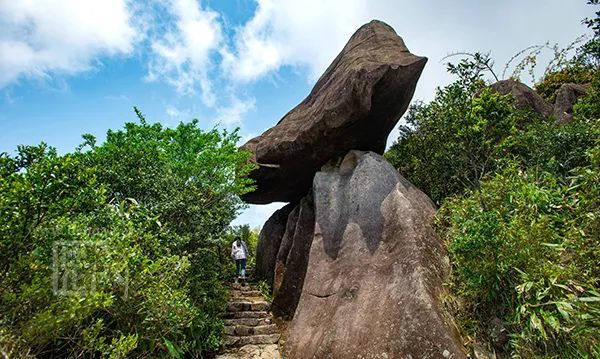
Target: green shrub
point(587, 109)
point(113, 252)
point(524, 249)
point(453, 141)
point(520, 213)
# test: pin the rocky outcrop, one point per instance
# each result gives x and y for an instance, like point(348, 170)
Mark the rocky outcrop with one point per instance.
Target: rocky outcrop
point(269, 241)
point(525, 98)
point(354, 105)
point(357, 265)
point(566, 96)
point(375, 269)
point(293, 259)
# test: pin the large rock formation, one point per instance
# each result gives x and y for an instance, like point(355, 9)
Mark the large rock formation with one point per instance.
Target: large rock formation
point(566, 97)
point(375, 269)
point(525, 98)
point(354, 105)
point(355, 262)
point(269, 241)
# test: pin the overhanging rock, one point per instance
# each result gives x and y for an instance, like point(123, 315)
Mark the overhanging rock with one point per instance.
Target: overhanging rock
point(354, 105)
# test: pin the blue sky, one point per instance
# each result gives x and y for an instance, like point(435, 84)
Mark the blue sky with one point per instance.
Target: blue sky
point(70, 67)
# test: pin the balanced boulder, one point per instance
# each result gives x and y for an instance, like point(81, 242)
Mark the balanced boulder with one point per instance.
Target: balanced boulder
point(375, 270)
point(354, 105)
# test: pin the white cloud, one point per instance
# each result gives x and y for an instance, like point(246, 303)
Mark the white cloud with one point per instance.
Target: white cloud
point(173, 112)
point(42, 37)
point(289, 32)
point(233, 114)
point(309, 34)
point(183, 54)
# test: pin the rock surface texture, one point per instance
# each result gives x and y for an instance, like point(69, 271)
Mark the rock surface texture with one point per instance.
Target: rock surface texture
point(375, 269)
point(354, 105)
point(566, 97)
point(525, 98)
point(269, 241)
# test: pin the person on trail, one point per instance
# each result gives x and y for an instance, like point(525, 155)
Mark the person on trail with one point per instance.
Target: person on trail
point(239, 253)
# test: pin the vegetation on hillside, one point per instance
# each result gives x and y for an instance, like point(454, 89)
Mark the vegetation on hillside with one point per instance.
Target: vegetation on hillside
point(116, 250)
point(519, 208)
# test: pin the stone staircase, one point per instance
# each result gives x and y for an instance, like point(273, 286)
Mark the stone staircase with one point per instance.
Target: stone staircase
point(249, 328)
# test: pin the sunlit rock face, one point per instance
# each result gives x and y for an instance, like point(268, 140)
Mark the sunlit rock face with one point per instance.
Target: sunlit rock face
point(375, 269)
point(354, 105)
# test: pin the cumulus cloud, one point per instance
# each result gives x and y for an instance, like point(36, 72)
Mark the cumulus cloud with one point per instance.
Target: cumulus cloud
point(41, 37)
point(233, 113)
point(182, 56)
point(290, 32)
point(309, 34)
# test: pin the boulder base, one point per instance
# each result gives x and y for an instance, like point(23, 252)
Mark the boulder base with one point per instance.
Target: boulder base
point(374, 278)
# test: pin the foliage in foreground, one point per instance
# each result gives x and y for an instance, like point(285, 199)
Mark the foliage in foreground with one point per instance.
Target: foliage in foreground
point(525, 249)
point(520, 209)
point(114, 251)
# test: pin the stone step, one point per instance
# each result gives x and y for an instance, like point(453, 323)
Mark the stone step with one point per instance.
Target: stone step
point(263, 351)
point(248, 299)
point(243, 288)
point(245, 293)
point(231, 340)
point(244, 298)
point(244, 330)
point(239, 306)
point(254, 314)
point(251, 322)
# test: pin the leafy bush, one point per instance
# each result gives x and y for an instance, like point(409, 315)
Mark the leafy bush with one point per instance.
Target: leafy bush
point(450, 143)
point(555, 149)
point(520, 212)
point(524, 244)
point(587, 109)
point(113, 252)
point(524, 248)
